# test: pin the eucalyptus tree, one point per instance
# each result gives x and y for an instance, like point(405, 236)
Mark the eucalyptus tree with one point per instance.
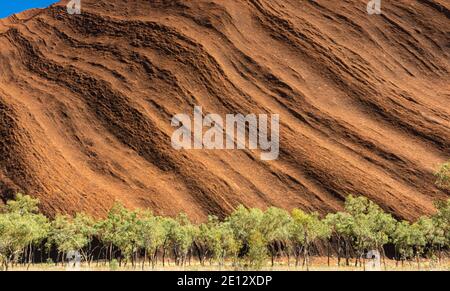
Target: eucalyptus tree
point(372, 227)
point(244, 221)
point(151, 235)
point(229, 246)
point(441, 221)
point(70, 234)
point(432, 236)
point(119, 230)
point(216, 240)
point(341, 226)
point(307, 229)
point(14, 234)
point(86, 227)
point(382, 225)
point(275, 227)
point(127, 239)
point(22, 204)
point(256, 255)
point(247, 226)
point(181, 236)
point(168, 224)
point(403, 240)
point(108, 229)
point(208, 240)
point(21, 227)
point(436, 239)
point(411, 239)
point(419, 231)
point(19, 233)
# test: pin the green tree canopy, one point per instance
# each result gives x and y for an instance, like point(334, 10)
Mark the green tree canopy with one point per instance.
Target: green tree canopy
point(20, 227)
point(72, 233)
point(306, 229)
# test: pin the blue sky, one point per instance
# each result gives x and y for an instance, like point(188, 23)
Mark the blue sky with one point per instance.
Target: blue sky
point(8, 7)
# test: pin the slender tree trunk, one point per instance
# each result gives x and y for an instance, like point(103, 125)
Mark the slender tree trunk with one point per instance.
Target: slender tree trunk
point(110, 252)
point(30, 257)
point(439, 255)
point(199, 254)
point(155, 260)
point(347, 253)
point(25, 256)
point(144, 260)
point(306, 259)
point(383, 254)
point(396, 257)
point(339, 252)
point(328, 253)
point(164, 257)
point(288, 257)
point(272, 254)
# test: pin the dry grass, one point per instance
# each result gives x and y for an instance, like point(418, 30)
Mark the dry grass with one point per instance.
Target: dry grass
point(317, 264)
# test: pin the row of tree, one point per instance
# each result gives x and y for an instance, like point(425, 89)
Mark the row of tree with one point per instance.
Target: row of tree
point(247, 238)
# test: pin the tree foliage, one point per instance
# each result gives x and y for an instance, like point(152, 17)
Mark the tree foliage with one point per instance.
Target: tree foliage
point(20, 227)
point(246, 238)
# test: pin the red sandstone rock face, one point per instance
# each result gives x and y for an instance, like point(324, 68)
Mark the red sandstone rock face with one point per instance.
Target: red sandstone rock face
point(86, 102)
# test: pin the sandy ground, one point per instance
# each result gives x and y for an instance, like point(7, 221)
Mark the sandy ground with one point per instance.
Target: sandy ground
point(318, 264)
